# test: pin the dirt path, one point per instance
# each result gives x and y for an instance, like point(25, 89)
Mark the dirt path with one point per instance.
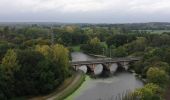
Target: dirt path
point(167, 95)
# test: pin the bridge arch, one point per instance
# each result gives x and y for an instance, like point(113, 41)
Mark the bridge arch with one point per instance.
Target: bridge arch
point(98, 69)
point(113, 68)
point(83, 68)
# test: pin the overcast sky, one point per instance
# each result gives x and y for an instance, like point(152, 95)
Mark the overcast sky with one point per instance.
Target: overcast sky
point(85, 11)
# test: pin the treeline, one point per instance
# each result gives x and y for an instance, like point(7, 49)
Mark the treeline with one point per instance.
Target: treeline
point(67, 34)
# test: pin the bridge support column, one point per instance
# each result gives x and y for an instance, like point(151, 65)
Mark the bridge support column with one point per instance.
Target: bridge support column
point(91, 68)
point(106, 66)
point(76, 67)
point(125, 65)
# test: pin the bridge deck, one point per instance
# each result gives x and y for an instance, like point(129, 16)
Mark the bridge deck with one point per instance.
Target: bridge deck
point(100, 61)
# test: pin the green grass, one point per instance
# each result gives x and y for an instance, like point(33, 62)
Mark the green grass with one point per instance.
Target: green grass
point(79, 91)
point(160, 31)
point(76, 48)
point(156, 31)
point(72, 89)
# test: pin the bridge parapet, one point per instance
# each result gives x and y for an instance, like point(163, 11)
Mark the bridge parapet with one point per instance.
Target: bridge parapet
point(104, 61)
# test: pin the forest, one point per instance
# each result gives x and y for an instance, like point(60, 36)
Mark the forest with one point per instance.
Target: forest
point(37, 55)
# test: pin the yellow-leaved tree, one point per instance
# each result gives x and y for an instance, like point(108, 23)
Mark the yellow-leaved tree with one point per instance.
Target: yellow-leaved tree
point(9, 62)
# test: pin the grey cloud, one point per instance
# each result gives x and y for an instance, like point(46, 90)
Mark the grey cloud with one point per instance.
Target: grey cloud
point(95, 11)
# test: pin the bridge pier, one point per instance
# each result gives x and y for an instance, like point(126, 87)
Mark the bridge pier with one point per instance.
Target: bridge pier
point(111, 67)
point(125, 65)
point(107, 66)
point(76, 67)
point(92, 67)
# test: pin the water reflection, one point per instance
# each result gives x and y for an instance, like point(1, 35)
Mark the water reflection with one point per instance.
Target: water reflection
point(108, 88)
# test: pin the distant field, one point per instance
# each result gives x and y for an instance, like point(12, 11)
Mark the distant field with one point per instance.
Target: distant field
point(155, 31)
point(159, 31)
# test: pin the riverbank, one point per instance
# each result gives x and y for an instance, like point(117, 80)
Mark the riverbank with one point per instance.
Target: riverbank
point(167, 94)
point(67, 88)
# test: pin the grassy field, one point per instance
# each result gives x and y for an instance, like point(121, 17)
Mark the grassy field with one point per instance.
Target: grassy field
point(80, 90)
point(76, 48)
point(72, 87)
point(156, 31)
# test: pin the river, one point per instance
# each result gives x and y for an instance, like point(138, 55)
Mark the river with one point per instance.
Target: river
point(103, 88)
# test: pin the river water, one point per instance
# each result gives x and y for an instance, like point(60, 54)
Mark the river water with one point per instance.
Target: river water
point(103, 88)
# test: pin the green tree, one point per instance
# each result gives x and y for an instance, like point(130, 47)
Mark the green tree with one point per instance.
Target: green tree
point(119, 52)
point(163, 66)
point(4, 46)
point(138, 45)
point(57, 53)
point(44, 49)
point(93, 46)
point(157, 76)
point(8, 68)
point(120, 39)
point(117, 40)
point(148, 92)
point(94, 42)
point(61, 56)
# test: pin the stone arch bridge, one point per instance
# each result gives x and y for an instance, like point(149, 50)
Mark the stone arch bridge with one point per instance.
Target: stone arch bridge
point(106, 63)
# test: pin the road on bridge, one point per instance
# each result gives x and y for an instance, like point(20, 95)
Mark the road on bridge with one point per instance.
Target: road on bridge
point(100, 61)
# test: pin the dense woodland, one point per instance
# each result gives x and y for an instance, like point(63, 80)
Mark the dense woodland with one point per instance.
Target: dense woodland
point(34, 59)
